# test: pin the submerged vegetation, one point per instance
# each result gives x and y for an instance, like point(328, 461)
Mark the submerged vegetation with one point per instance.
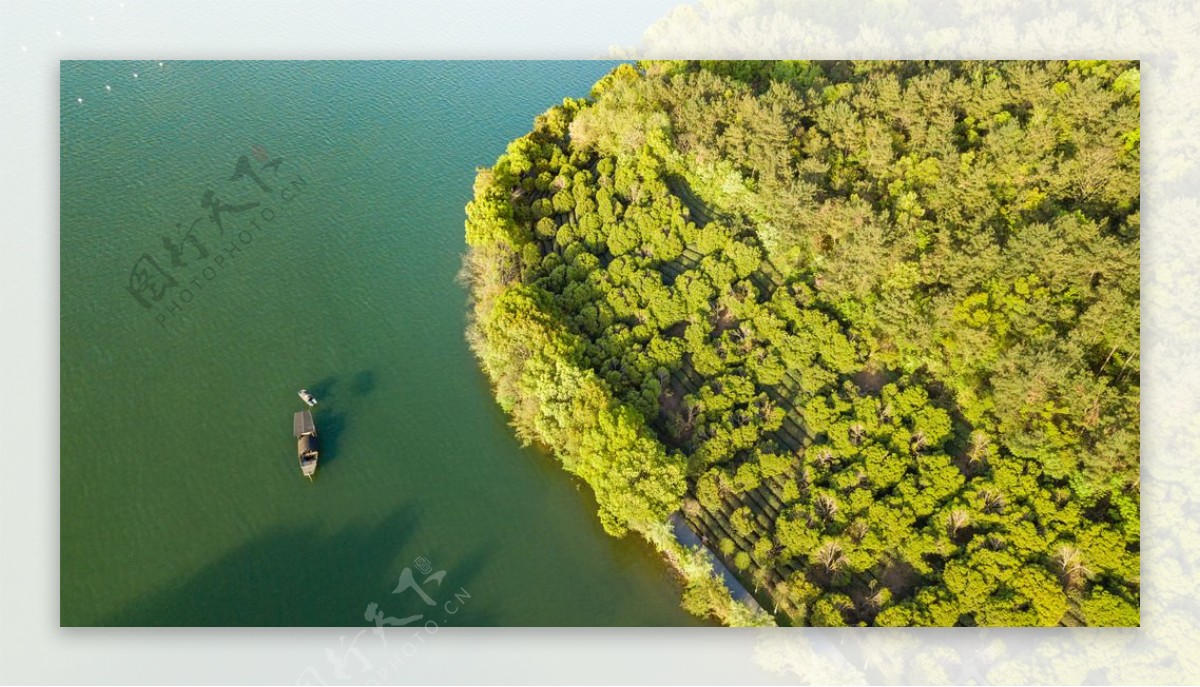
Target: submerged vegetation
point(871, 327)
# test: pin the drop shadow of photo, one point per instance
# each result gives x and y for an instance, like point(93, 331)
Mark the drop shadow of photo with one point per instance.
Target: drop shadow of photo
point(294, 576)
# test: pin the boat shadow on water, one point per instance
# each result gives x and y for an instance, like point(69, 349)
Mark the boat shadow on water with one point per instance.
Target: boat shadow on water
point(324, 389)
point(360, 385)
point(331, 427)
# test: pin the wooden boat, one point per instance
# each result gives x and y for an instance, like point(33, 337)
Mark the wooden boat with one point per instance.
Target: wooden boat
point(308, 398)
point(306, 442)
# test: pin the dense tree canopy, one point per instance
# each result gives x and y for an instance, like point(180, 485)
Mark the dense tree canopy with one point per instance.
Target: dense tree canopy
point(872, 327)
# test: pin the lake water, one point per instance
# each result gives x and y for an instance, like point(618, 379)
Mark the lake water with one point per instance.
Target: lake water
point(333, 268)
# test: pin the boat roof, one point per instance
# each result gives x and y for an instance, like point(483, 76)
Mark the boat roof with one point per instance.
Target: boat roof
point(307, 444)
point(302, 423)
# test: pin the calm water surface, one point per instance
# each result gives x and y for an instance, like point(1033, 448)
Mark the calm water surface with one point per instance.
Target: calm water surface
point(182, 502)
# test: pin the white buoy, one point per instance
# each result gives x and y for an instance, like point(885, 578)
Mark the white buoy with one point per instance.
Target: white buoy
point(160, 65)
point(108, 88)
point(135, 75)
point(80, 100)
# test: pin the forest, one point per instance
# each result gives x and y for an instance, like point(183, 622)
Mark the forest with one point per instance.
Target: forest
point(871, 328)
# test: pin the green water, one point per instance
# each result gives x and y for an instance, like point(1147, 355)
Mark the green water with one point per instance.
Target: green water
point(182, 501)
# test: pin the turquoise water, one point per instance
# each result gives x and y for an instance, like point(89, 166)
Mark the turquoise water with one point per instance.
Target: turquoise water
point(181, 499)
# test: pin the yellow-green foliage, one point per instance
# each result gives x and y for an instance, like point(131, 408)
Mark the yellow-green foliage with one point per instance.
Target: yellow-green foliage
point(878, 319)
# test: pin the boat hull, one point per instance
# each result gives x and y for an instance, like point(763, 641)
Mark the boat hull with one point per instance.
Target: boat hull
point(306, 442)
point(308, 465)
